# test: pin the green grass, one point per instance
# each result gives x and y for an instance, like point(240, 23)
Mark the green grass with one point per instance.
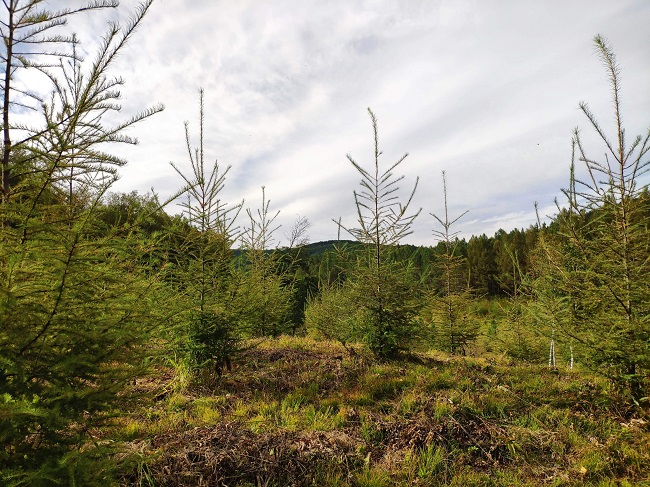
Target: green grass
point(301, 412)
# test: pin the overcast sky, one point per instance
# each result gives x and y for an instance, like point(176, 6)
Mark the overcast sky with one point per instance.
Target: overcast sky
point(487, 90)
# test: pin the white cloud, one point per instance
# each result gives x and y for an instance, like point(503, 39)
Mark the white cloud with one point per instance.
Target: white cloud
point(486, 90)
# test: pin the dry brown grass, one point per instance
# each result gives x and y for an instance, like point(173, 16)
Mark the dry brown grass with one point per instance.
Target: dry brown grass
point(299, 412)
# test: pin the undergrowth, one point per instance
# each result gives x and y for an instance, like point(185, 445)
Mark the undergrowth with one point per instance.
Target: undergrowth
point(299, 412)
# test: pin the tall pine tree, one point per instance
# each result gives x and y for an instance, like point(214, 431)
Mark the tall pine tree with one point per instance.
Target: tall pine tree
point(593, 278)
point(382, 287)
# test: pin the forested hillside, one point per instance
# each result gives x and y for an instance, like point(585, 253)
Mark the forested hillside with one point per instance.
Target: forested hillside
point(143, 346)
point(488, 266)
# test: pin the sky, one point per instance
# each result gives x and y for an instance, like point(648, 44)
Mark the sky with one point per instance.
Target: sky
point(486, 90)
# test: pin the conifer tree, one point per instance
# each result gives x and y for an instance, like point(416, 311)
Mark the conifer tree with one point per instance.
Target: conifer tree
point(455, 327)
point(65, 147)
point(75, 312)
point(382, 287)
point(593, 274)
point(205, 276)
point(519, 340)
point(294, 268)
point(481, 265)
point(266, 301)
point(335, 314)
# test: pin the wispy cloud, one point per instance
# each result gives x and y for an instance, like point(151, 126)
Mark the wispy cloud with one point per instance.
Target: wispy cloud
point(485, 90)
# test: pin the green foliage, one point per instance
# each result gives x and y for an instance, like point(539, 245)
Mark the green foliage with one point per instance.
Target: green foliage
point(205, 272)
point(266, 291)
point(593, 274)
point(294, 266)
point(490, 260)
point(264, 298)
point(334, 315)
point(63, 151)
point(430, 463)
point(134, 211)
point(388, 308)
point(449, 314)
point(89, 279)
point(77, 311)
point(348, 312)
point(450, 322)
point(517, 338)
point(333, 264)
point(378, 287)
point(75, 318)
point(511, 254)
point(482, 265)
point(128, 215)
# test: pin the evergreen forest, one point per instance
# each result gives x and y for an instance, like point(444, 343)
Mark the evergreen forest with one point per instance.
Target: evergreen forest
point(143, 346)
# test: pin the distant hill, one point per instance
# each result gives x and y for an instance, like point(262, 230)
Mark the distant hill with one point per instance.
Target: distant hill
point(318, 248)
point(314, 249)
